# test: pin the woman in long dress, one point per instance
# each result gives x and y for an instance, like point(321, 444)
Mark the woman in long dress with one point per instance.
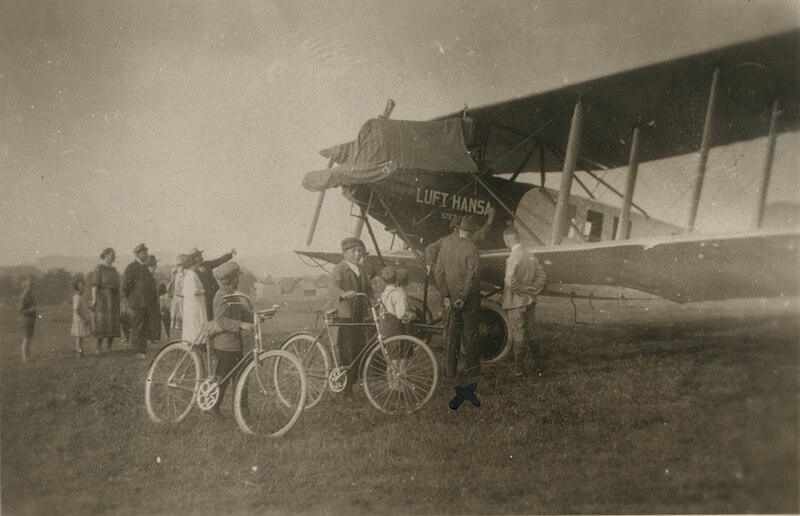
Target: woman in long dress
point(194, 304)
point(175, 292)
point(105, 299)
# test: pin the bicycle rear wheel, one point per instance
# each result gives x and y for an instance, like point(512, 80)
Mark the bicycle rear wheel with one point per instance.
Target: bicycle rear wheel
point(270, 394)
point(172, 381)
point(401, 375)
point(315, 360)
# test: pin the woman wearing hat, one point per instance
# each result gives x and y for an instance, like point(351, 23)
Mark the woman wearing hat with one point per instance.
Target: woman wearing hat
point(175, 292)
point(105, 299)
point(194, 301)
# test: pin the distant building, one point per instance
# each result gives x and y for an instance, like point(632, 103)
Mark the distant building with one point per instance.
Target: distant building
point(306, 288)
point(267, 289)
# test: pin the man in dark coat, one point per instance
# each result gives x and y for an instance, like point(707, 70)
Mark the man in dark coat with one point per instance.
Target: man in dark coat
point(456, 276)
point(205, 273)
point(139, 288)
point(348, 279)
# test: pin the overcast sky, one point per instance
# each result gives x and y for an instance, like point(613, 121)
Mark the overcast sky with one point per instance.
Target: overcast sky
point(192, 123)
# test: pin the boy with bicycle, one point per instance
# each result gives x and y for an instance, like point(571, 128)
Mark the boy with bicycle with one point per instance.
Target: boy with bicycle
point(229, 323)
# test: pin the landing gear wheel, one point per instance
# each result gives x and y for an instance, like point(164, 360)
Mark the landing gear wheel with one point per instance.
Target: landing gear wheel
point(270, 394)
point(401, 375)
point(315, 360)
point(493, 332)
point(337, 380)
point(208, 393)
point(169, 390)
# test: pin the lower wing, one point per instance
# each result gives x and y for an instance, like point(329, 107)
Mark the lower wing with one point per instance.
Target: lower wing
point(683, 269)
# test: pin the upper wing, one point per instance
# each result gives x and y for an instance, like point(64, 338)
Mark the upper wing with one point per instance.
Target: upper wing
point(685, 269)
point(672, 95)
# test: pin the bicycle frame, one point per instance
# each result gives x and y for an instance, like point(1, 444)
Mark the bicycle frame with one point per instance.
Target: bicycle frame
point(258, 317)
point(376, 340)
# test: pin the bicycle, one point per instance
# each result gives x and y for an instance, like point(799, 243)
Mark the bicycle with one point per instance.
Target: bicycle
point(399, 373)
point(269, 395)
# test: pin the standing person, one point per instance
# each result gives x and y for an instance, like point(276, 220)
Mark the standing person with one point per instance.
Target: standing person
point(232, 320)
point(395, 316)
point(194, 304)
point(524, 280)
point(139, 289)
point(432, 250)
point(105, 300)
point(155, 316)
point(457, 278)
point(27, 309)
point(204, 270)
point(348, 278)
point(164, 304)
point(81, 316)
point(175, 292)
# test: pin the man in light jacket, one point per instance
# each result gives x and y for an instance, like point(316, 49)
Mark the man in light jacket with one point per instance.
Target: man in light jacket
point(524, 280)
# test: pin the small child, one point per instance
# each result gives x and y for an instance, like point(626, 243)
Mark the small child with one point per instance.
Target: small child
point(81, 317)
point(395, 315)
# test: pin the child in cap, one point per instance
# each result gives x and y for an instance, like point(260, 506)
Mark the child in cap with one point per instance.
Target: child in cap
point(230, 321)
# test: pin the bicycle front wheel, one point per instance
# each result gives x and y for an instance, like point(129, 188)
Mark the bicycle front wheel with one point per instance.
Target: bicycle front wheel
point(270, 394)
point(401, 375)
point(172, 381)
point(316, 361)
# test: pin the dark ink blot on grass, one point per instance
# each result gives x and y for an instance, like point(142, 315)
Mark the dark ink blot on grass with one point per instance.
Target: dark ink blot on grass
point(465, 394)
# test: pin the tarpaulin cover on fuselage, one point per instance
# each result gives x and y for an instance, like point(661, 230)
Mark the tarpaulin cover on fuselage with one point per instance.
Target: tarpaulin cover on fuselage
point(384, 146)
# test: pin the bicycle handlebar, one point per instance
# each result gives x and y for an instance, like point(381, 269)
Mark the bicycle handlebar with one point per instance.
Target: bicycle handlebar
point(243, 299)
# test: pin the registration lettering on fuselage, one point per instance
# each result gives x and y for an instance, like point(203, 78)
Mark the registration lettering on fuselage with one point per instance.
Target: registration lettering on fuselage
point(455, 202)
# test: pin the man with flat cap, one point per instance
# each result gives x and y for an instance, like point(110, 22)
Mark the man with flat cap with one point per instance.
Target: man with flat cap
point(348, 279)
point(204, 271)
point(456, 274)
point(139, 288)
point(231, 318)
point(432, 250)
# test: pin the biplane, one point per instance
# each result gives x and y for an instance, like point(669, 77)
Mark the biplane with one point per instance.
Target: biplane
point(413, 177)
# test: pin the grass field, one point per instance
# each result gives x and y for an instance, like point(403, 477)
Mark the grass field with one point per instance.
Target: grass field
point(656, 408)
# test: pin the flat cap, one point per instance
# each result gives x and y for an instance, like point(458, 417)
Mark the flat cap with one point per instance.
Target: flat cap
point(226, 271)
point(351, 242)
point(469, 223)
point(139, 248)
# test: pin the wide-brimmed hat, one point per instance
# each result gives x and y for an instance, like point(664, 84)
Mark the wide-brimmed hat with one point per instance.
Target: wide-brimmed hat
point(469, 223)
point(139, 248)
point(351, 242)
point(227, 271)
point(180, 259)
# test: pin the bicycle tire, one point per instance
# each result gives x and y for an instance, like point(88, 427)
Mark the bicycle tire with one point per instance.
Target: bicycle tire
point(394, 386)
point(258, 408)
point(316, 362)
point(174, 375)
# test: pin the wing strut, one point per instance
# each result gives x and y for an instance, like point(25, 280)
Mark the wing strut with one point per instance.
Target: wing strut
point(623, 231)
point(508, 210)
point(364, 213)
point(400, 229)
point(705, 143)
point(536, 146)
point(317, 210)
point(767, 172)
point(573, 143)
